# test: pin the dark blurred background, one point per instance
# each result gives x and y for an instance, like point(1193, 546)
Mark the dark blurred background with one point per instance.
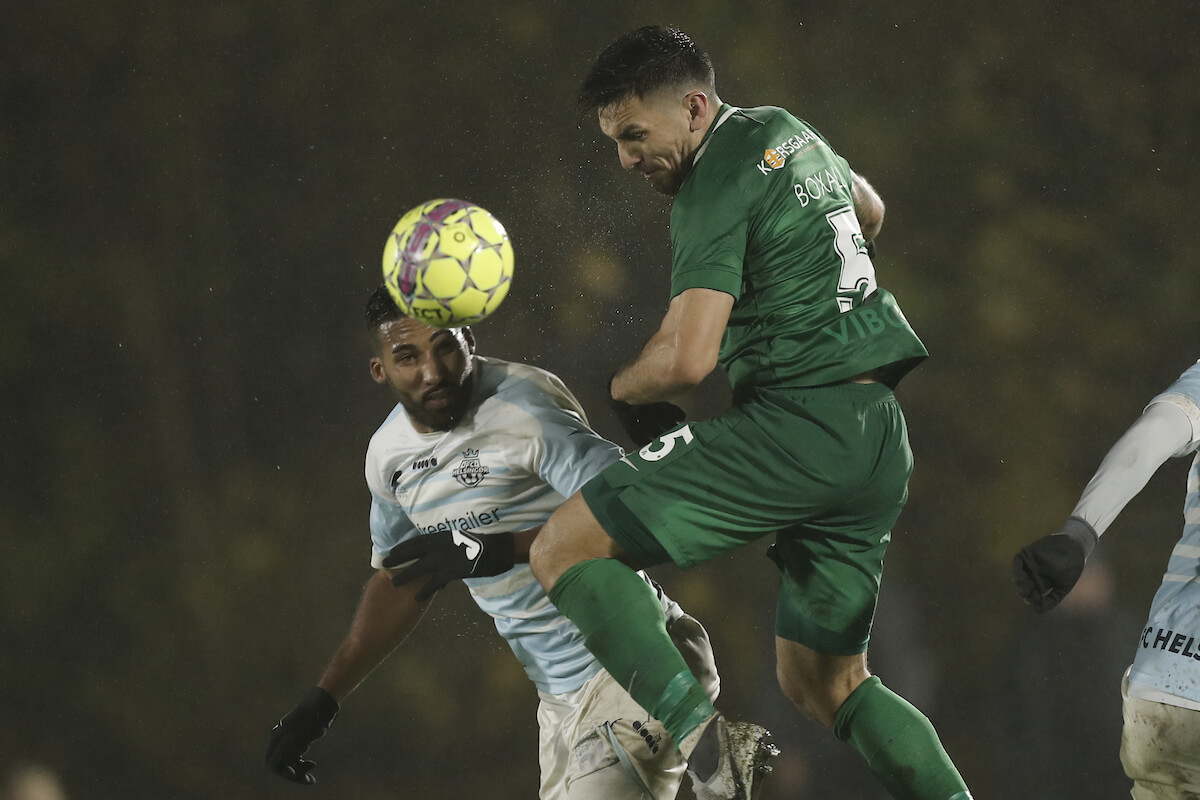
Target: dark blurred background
point(193, 203)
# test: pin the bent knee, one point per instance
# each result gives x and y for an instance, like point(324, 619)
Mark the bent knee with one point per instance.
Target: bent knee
point(815, 700)
point(818, 684)
point(570, 536)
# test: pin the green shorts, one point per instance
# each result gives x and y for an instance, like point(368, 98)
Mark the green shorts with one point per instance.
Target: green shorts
point(825, 469)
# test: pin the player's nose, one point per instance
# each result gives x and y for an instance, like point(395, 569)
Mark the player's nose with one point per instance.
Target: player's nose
point(628, 158)
point(432, 370)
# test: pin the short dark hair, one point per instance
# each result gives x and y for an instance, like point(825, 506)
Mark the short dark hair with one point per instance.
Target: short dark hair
point(642, 62)
point(381, 309)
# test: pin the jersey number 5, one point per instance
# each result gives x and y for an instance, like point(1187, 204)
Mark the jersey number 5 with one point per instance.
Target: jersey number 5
point(664, 444)
point(857, 280)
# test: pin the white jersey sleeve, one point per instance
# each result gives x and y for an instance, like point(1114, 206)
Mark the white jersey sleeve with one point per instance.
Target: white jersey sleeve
point(389, 525)
point(568, 452)
point(388, 522)
point(1184, 394)
point(1169, 426)
point(1162, 431)
point(1166, 664)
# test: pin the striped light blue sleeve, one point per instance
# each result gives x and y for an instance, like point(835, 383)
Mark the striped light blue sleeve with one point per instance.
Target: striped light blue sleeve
point(572, 453)
point(389, 527)
point(568, 452)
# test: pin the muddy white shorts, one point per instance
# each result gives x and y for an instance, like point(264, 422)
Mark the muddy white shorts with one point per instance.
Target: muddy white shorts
point(1160, 748)
point(596, 743)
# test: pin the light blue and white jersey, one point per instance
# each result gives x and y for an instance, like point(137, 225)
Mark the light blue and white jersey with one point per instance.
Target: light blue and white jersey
point(522, 448)
point(1167, 663)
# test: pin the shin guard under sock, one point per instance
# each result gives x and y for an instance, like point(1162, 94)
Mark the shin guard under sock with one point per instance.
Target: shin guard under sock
point(901, 747)
point(622, 624)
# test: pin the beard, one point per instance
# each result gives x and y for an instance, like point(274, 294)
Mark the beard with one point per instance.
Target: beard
point(669, 181)
point(442, 407)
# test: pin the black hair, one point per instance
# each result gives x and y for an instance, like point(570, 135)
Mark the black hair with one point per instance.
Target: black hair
point(381, 309)
point(642, 62)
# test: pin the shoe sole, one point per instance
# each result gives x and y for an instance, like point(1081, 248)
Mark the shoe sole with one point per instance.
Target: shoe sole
point(759, 762)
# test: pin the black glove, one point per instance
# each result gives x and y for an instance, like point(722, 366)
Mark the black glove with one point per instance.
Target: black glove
point(1047, 569)
point(450, 556)
point(299, 728)
point(643, 424)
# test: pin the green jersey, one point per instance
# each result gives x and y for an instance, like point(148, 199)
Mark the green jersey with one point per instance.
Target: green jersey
point(766, 215)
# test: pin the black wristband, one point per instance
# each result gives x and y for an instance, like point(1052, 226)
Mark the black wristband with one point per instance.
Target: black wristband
point(499, 554)
point(1079, 531)
point(321, 704)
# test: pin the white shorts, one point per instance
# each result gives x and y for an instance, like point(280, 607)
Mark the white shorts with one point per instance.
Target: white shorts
point(1160, 748)
point(598, 744)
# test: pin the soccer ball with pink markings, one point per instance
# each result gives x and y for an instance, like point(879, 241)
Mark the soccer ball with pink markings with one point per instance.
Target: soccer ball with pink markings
point(448, 263)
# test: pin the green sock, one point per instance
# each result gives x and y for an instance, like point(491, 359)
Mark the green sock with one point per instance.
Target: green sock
point(901, 747)
point(623, 625)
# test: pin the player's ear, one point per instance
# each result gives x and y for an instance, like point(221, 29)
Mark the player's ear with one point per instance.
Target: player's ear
point(697, 107)
point(377, 373)
point(469, 337)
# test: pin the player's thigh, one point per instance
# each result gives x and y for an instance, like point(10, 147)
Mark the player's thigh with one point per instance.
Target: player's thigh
point(829, 586)
point(613, 782)
point(554, 752)
point(1160, 749)
point(831, 564)
point(711, 486)
point(613, 747)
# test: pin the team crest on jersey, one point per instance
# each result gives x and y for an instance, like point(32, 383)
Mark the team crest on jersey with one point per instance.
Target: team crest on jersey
point(470, 472)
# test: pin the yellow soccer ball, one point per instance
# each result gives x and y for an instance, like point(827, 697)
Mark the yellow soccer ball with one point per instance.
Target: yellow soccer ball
point(448, 263)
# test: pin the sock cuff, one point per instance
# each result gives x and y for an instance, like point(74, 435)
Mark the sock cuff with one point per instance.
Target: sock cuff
point(566, 579)
point(560, 593)
point(845, 715)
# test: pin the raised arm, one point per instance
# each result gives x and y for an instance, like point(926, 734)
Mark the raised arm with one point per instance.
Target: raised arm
point(1161, 432)
point(1046, 570)
point(681, 353)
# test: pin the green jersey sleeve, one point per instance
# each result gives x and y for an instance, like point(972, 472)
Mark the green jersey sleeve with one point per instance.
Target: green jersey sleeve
point(710, 254)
